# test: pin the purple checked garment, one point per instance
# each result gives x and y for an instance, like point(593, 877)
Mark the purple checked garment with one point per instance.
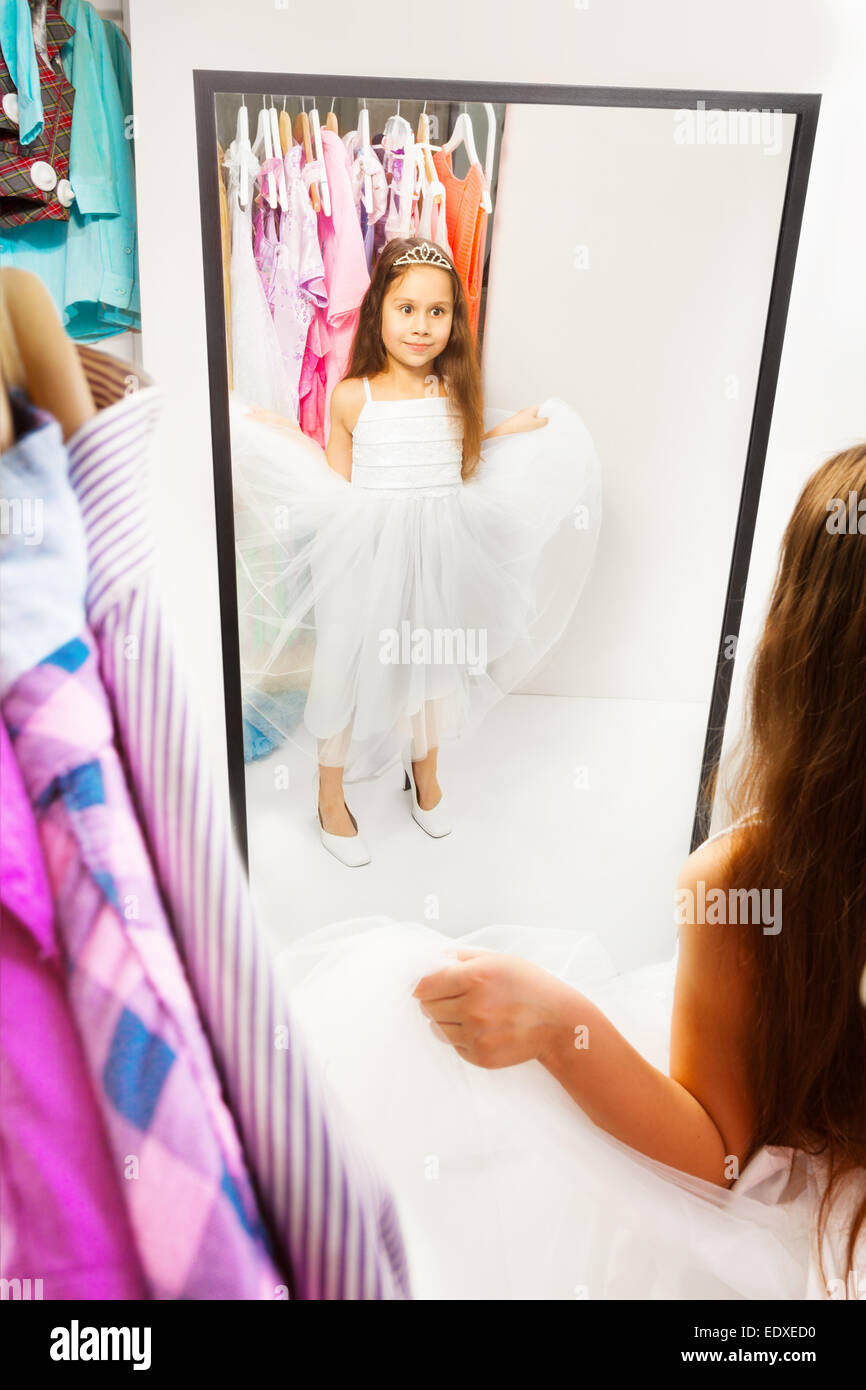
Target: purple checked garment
point(331, 1214)
point(62, 1218)
point(174, 1149)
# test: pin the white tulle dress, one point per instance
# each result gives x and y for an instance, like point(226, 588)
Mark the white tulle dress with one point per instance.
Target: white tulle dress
point(505, 1188)
point(397, 608)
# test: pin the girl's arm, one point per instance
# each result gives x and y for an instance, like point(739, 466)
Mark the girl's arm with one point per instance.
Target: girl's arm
point(343, 402)
point(527, 419)
point(498, 1010)
point(55, 378)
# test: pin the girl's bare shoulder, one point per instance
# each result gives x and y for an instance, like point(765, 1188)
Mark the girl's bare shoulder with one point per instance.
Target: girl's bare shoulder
point(347, 401)
point(707, 870)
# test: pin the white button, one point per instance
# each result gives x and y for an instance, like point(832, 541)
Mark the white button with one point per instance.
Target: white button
point(65, 192)
point(10, 107)
point(43, 175)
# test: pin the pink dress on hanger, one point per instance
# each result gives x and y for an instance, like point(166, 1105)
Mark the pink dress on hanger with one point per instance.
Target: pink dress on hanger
point(332, 331)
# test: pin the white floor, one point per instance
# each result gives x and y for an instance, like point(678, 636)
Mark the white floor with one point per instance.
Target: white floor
point(567, 812)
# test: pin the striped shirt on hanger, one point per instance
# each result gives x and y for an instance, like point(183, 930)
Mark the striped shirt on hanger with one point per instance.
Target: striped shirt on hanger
point(332, 1217)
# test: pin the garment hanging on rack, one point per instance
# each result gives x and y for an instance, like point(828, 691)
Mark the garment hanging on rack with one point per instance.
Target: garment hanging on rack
point(259, 373)
point(346, 281)
point(299, 274)
point(370, 166)
point(398, 219)
point(89, 263)
point(265, 229)
point(61, 1208)
point(21, 118)
point(34, 174)
point(101, 286)
point(190, 1201)
point(379, 232)
point(467, 227)
point(432, 218)
point(333, 1218)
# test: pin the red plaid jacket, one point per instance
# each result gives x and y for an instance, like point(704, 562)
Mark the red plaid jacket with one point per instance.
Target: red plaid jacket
point(34, 178)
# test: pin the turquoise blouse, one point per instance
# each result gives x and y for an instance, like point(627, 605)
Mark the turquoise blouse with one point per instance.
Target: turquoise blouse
point(90, 264)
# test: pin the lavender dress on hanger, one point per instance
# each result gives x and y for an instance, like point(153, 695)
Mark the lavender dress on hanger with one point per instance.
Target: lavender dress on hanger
point(298, 287)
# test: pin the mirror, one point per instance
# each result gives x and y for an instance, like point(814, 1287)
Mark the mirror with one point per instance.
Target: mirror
point(626, 269)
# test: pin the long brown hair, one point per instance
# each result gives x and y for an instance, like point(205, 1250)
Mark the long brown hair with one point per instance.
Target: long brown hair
point(800, 766)
point(458, 361)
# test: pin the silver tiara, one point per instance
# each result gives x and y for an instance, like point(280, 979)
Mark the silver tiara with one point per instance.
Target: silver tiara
point(425, 254)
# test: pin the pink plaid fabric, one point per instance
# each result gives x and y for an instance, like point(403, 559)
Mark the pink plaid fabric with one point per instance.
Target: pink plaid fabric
point(182, 1174)
point(174, 1148)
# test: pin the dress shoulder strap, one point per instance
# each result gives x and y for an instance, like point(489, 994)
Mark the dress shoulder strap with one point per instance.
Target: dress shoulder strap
point(743, 820)
point(367, 389)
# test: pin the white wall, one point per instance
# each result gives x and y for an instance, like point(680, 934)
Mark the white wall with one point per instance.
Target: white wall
point(784, 45)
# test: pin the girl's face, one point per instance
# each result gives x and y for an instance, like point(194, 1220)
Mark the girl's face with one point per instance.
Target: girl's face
point(416, 315)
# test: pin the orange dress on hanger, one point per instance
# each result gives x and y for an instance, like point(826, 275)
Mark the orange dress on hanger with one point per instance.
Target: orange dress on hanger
point(466, 221)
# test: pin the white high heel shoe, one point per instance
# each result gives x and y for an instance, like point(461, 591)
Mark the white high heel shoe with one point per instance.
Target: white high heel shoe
point(349, 849)
point(435, 821)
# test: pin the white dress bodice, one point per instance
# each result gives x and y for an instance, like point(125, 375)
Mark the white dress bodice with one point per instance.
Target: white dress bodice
point(413, 447)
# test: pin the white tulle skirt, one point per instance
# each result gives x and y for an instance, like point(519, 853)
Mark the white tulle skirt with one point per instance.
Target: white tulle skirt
point(505, 1188)
point(370, 621)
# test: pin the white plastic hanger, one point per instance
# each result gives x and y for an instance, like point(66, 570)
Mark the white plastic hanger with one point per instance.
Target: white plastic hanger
point(463, 134)
point(282, 189)
point(488, 158)
point(264, 142)
point(366, 149)
point(242, 143)
point(324, 191)
point(407, 184)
